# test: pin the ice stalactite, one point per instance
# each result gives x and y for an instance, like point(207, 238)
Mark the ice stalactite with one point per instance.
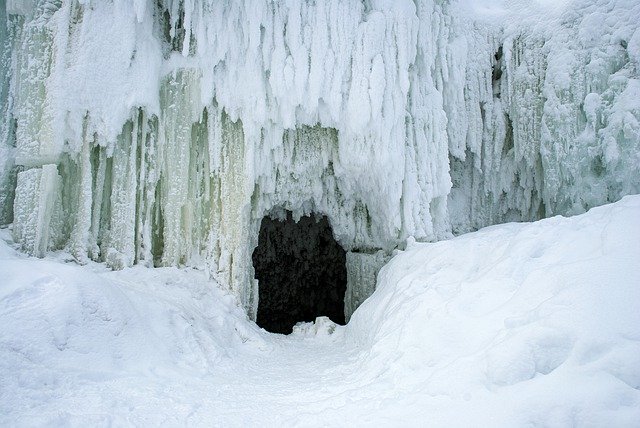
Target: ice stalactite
point(548, 114)
point(498, 177)
point(161, 133)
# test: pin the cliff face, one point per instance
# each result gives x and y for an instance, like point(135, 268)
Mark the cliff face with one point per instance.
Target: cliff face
point(163, 132)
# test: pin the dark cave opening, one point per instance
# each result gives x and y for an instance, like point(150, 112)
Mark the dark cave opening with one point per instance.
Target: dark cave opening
point(301, 272)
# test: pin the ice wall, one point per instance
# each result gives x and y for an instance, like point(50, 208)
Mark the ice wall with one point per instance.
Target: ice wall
point(170, 128)
point(362, 275)
point(7, 173)
point(551, 118)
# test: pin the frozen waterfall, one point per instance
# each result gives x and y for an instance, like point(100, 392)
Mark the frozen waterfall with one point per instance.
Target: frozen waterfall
point(162, 132)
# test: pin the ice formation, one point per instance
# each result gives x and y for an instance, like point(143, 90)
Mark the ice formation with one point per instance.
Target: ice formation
point(161, 133)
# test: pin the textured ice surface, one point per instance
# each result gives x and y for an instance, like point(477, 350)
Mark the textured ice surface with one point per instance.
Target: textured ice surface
point(362, 273)
point(37, 212)
point(7, 176)
point(177, 125)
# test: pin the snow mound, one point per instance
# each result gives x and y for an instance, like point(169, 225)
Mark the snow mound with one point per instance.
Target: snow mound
point(517, 324)
point(542, 320)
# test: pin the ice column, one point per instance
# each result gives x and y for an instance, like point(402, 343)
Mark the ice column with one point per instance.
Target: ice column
point(180, 104)
point(37, 214)
point(7, 176)
point(362, 274)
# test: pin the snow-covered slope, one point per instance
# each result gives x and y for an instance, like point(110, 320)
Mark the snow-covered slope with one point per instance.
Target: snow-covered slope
point(515, 325)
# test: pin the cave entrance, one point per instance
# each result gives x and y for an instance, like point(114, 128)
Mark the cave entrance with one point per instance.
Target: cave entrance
point(301, 272)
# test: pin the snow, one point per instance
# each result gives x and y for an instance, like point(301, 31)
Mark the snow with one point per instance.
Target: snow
point(516, 324)
point(140, 134)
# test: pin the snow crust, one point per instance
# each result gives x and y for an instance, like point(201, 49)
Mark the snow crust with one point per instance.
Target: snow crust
point(176, 125)
point(514, 325)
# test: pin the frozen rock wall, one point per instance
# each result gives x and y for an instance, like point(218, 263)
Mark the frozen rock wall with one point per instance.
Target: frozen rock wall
point(7, 173)
point(171, 127)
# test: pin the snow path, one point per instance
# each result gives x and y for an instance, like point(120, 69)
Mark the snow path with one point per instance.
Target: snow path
point(522, 324)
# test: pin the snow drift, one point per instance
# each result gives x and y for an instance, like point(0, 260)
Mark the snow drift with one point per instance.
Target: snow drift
point(517, 324)
point(160, 133)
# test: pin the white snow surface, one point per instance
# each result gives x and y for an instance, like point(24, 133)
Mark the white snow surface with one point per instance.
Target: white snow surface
point(521, 324)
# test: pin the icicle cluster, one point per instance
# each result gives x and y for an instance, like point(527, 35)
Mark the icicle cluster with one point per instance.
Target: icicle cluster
point(162, 132)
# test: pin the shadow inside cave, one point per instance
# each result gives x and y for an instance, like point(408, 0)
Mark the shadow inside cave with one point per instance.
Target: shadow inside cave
point(301, 272)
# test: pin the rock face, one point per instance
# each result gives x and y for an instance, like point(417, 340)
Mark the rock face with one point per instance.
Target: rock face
point(161, 133)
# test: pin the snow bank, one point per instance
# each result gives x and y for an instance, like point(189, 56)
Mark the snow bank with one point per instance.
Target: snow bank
point(67, 328)
point(518, 324)
point(515, 325)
